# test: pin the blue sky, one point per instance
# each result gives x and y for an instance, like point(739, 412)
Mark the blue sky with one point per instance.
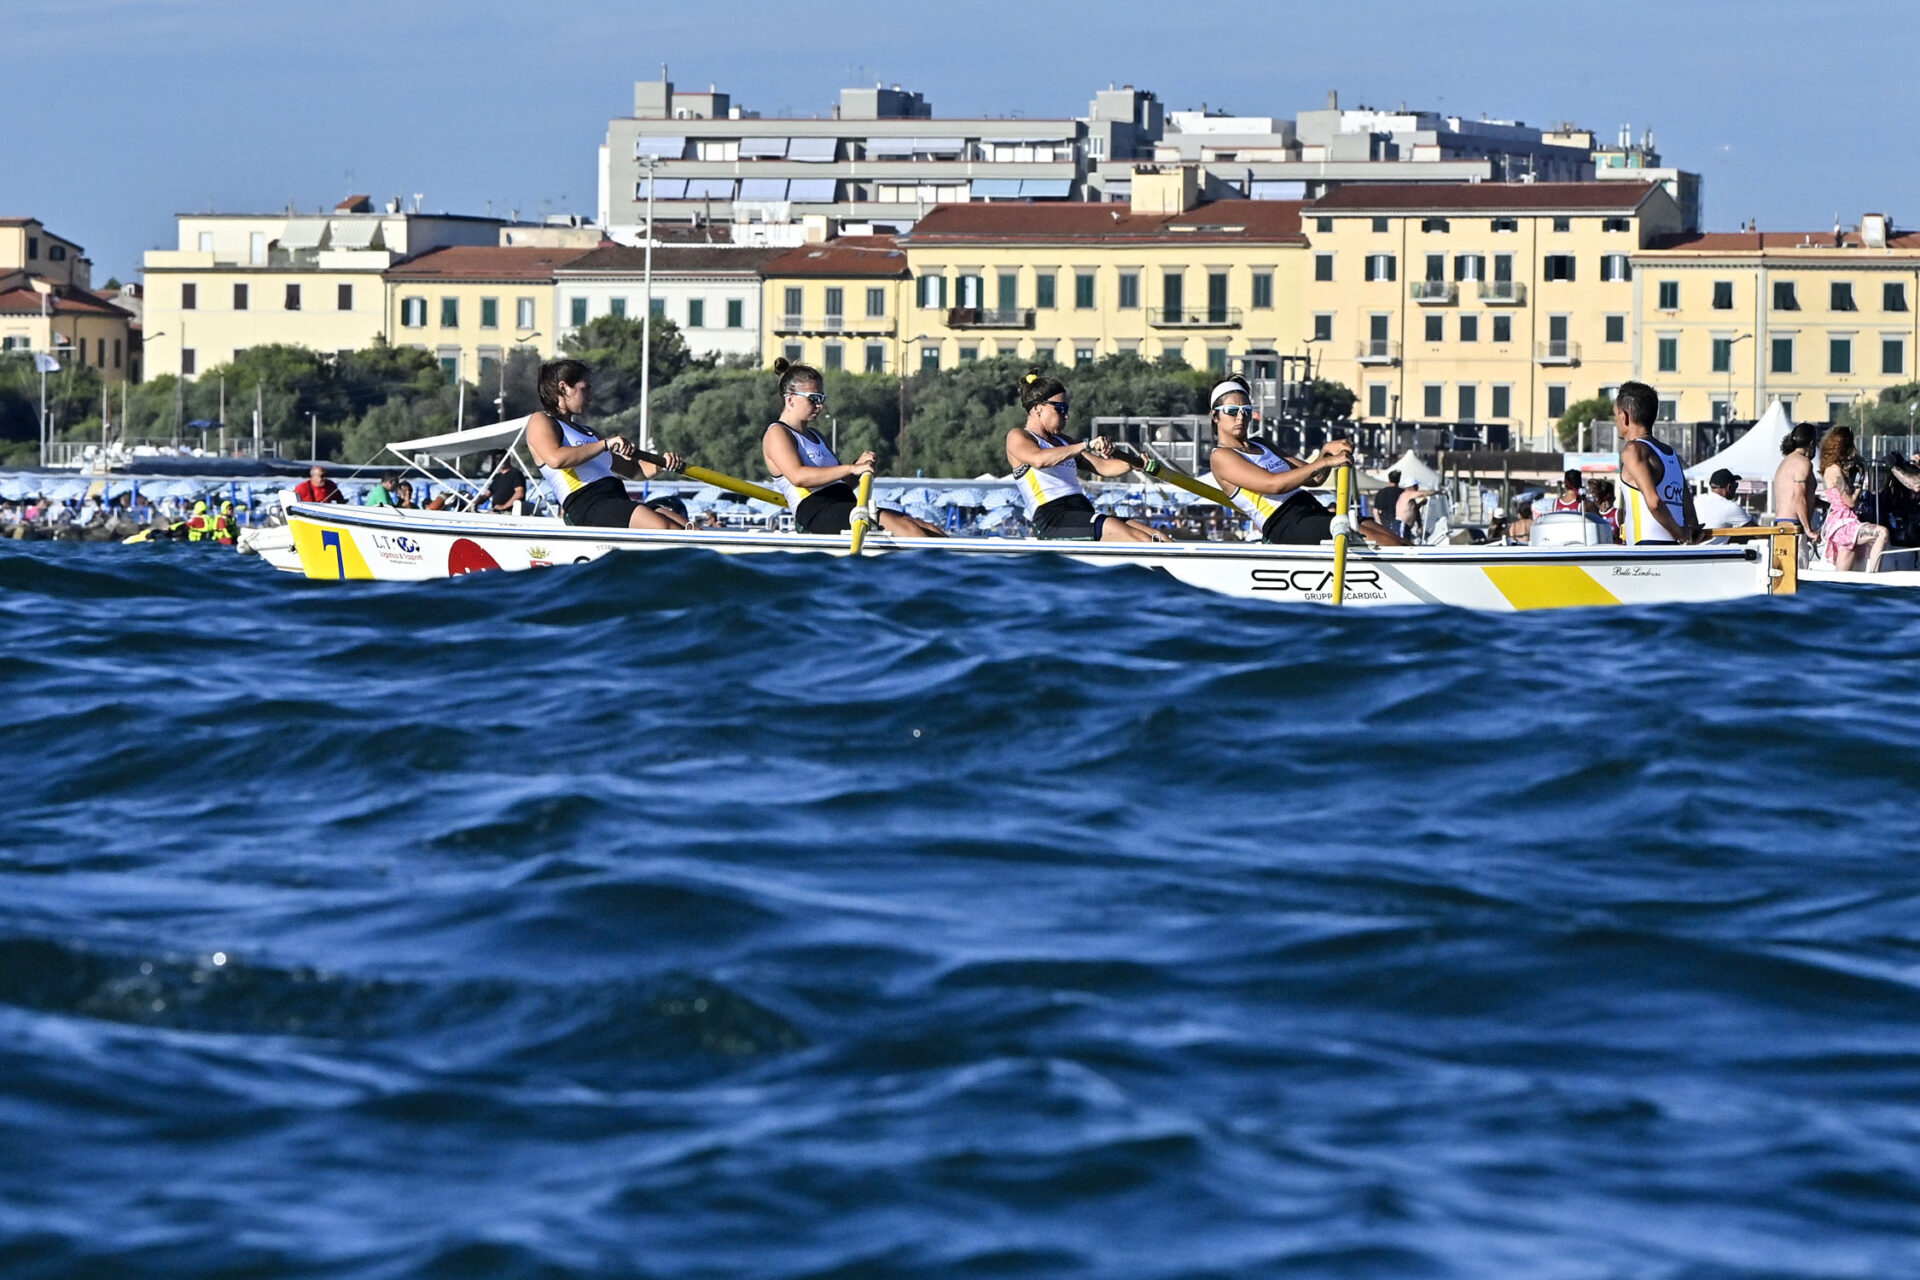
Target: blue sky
point(123, 112)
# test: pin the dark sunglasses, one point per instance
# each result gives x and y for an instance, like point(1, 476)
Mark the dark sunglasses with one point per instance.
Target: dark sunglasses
point(1236, 410)
point(1058, 406)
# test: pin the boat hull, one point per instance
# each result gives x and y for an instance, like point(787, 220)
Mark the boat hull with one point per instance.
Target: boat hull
point(338, 542)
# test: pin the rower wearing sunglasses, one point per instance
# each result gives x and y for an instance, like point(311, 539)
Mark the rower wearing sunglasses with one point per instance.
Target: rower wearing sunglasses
point(815, 482)
point(1044, 462)
point(1270, 488)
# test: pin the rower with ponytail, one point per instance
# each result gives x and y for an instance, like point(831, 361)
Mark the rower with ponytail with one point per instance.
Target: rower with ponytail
point(1045, 463)
point(814, 481)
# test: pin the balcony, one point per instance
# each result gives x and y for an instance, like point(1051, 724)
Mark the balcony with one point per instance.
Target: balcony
point(1503, 293)
point(1435, 293)
point(981, 318)
point(1196, 318)
point(832, 324)
point(1558, 352)
point(1378, 351)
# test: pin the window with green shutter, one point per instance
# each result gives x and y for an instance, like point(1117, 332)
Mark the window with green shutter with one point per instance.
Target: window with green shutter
point(1782, 355)
point(489, 313)
point(1723, 355)
point(1083, 297)
point(1263, 290)
point(1840, 355)
point(1129, 291)
point(1668, 355)
point(1043, 286)
point(617, 307)
point(736, 314)
point(449, 313)
point(696, 313)
point(579, 312)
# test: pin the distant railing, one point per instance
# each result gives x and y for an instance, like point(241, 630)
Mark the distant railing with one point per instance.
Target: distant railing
point(1503, 293)
point(842, 323)
point(981, 318)
point(1556, 352)
point(1378, 351)
point(1194, 318)
point(1435, 292)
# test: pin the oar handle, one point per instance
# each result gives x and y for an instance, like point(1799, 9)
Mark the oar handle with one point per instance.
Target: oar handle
point(717, 479)
point(863, 496)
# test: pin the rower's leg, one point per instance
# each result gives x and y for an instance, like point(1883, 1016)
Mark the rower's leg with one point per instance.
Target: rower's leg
point(905, 526)
point(1376, 533)
point(645, 517)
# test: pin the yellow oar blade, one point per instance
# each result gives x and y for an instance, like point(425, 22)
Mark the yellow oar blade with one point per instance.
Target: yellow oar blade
point(860, 506)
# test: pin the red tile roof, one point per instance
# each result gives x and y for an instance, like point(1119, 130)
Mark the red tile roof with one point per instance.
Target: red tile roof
point(877, 256)
point(628, 260)
point(484, 262)
point(1774, 241)
point(1484, 197)
point(1266, 221)
point(19, 302)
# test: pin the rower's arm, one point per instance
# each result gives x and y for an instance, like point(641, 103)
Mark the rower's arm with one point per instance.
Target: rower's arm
point(783, 459)
point(1111, 468)
point(543, 439)
point(1024, 451)
point(1231, 467)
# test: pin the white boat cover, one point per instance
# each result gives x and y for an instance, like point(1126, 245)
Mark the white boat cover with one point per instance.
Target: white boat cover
point(1755, 455)
point(456, 444)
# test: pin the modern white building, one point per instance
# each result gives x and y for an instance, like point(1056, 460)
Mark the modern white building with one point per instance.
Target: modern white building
point(711, 292)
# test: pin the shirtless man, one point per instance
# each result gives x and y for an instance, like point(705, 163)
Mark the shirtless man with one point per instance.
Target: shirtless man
point(1793, 480)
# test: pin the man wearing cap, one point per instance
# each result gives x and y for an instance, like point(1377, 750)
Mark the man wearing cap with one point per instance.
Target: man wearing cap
point(1717, 508)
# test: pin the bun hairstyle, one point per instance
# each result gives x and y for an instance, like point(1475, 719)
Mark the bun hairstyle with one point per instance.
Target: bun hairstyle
point(1801, 437)
point(792, 375)
point(552, 374)
point(1037, 386)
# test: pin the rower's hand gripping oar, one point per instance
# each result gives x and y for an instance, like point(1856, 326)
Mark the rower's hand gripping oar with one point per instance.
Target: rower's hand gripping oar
point(1172, 475)
point(862, 513)
point(717, 479)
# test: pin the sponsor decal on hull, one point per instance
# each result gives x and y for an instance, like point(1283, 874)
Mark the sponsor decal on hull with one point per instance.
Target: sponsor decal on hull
point(1317, 584)
point(468, 556)
point(397, 547)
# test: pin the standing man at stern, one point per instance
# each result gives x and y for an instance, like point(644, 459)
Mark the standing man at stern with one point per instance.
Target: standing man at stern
point(1659, 504)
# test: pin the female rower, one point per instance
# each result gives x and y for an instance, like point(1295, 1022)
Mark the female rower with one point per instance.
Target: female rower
point(1044, 463)
point(816, 483)
point(1270, 488)
point(583, 467)
point(1844, 532)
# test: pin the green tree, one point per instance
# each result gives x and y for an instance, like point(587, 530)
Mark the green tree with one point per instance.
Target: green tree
point(1579, 414)
point(1330, 400)
point(611, 347)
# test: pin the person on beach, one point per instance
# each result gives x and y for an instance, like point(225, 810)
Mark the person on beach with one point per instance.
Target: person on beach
point(1791, 493)
point(583, 468)
point(819, 488)
point(1570, 497)
point(1659, 504)
point(1844, 532)
point(317, 488)
point(1045, 466)
point(1270, 488)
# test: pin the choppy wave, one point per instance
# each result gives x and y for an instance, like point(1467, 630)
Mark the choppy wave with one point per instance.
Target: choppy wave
point(811, 918)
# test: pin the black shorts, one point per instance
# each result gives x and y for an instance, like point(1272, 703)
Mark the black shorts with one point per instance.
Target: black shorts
point(1070, 517)
point(828, 510)
point(1300, 522)
point(604, 504)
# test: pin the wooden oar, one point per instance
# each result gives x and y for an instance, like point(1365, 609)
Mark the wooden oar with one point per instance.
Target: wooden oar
point(1177, 478)
point(860, 510)
point(1342, 484)
point(717, 479)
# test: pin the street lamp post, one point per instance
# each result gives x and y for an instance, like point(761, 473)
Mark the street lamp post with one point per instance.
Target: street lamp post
point(649, 163)
point(1731, 344)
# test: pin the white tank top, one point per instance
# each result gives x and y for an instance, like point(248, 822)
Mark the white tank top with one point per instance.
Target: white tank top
point(1671, 487)
point(1259, 507)
point(813, 453)
point(562, 482)
point(1041, 485)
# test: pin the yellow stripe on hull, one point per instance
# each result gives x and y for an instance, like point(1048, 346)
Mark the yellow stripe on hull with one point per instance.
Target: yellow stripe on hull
point(1548, 586)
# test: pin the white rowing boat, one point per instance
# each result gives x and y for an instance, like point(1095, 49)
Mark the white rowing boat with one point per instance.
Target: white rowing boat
point(384, 544)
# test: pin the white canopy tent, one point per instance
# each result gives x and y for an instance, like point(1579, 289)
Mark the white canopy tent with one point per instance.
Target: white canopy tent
point(1412, 472)
point(450, 446)
point(1755, 455)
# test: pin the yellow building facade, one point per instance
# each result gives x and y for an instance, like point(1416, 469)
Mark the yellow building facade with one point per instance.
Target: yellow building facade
point(1077, 282)
point(473, 306)
point(1728, 322)
point(835, 305)
point(1484, 303)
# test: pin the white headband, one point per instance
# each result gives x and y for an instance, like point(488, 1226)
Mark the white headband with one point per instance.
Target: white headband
point(1224, 388)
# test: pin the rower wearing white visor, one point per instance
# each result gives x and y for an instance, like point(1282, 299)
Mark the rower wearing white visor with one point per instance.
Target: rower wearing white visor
point(1045, 463)
point(1268, 487)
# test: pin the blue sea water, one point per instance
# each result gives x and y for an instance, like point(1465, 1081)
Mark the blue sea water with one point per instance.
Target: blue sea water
point(680, 916)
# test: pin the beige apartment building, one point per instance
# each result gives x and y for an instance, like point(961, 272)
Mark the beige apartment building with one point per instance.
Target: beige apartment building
point(238, 281)
point(472, 305)
point(1728, 322)
point(1486, 303)
point(836, 305)
point(1163, 274)
point(47, 304)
